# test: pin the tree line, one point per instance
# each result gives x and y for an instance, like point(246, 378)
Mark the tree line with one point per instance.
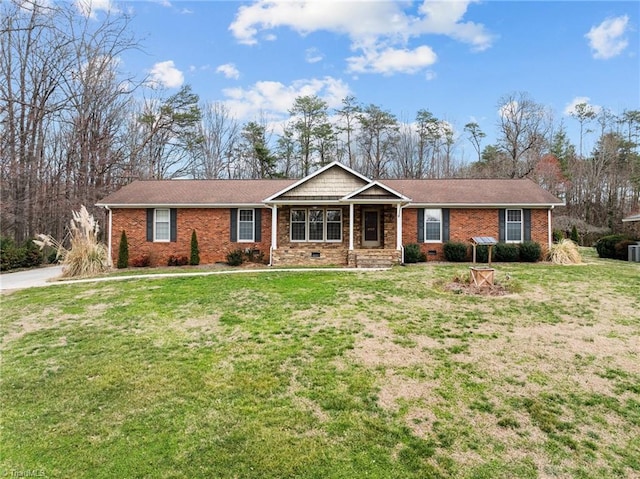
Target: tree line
point(75, 128)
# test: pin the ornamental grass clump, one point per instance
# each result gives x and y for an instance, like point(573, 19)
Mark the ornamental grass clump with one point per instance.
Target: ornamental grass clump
point(565, 252)
point(86, 256)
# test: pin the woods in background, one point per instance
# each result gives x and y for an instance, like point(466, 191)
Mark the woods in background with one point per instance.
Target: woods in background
point(75, 128)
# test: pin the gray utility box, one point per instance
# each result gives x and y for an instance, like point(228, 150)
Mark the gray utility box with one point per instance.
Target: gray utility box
point(634, 252)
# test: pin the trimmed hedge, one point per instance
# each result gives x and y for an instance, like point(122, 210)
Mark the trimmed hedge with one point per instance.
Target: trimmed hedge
point(455, 252)
point(530, 252)
point(506, 252)
point(12, 256)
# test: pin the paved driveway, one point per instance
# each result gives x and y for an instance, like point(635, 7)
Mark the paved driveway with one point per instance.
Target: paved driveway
point(29, 279)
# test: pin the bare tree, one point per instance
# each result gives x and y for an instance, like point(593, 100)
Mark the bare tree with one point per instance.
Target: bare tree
point(219, 133)
point(523, 128)
point(377, 140)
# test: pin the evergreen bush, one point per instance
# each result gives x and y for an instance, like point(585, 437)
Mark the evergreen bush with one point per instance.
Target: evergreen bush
point(574, 235)
point(622, 249)
point(123, 252)
point(235, 257)
point(194, 259)
point(455, 252)
point(506, 252)
point(482, 254)
point(530, 251)
point(412, 254)
point(606, 246)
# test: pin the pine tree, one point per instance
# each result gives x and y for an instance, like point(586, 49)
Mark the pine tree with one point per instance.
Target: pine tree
point(123, 252)
point(194, 260)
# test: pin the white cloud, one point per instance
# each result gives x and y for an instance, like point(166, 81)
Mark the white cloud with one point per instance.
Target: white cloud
point(390, 61)
point(273, 100)
point(165, 74)
point(607, 39)
point(570, 108)
point(229, 70)
point(379, 30)
point(88, 8)
point(313, 55)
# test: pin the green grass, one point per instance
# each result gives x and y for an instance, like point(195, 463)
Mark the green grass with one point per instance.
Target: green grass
point(326, 374)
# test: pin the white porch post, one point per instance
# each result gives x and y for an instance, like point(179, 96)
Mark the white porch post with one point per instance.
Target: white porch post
point(274, 227)
point(399, 227)
point(550, 233)
point(110, 237)
point(350, 226)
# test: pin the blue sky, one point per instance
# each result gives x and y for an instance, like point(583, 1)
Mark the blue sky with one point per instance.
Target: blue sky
point(455, 58)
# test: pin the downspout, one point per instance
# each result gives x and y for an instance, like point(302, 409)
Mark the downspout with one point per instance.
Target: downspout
point(550, 232)
point(109, 236)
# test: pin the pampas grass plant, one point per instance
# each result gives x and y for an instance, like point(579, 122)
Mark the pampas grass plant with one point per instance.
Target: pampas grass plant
point(86, 255)
point(565, 252)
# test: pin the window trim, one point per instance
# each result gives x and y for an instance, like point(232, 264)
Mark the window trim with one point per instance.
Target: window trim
point(507, 223)
point(307, 222)
point(439, 240)
point(253, 225)
point(155, 225)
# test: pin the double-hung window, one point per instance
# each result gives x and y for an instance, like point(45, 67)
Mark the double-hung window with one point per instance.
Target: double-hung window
point(334, 225)
point(246, 225)
point(298, 225)
point(513, 228)
point(432, 226)
point(316, 225)
point(161, 228)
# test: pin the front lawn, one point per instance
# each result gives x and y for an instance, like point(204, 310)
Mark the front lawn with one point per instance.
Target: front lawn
point(326, 375)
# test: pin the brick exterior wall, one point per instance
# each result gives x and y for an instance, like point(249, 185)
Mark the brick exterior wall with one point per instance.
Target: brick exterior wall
point(466, 223)
point(211, 225)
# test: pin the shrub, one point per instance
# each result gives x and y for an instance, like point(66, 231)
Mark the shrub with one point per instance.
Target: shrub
point(177, 260)
point(123, 252)
point(412, 254)
point(574, 235)
point(506, 252)
point(530, 251)
point(141, 261)
point(565, 252)
point(606, 246)
point(235, 257)
point(558, 235)
point(13, 256)
point(482, 254)
point(194, 259)
point(455, 252)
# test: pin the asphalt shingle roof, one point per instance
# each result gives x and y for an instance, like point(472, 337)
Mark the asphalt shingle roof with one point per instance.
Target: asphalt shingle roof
point(485, 192)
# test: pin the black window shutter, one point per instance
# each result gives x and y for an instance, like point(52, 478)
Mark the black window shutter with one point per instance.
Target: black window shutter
point(420, 225)
point(527, 224)
point(257, 221)
point(173, 224)
point(501, 225)
point(233, 229)
point(149, 224)
point(445, 224)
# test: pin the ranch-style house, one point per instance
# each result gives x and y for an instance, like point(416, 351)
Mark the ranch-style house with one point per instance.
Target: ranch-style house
point(334, 216)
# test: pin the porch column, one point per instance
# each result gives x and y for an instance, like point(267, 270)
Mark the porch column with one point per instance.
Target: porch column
point(351, 227)
point(274, 227)
point(399, 227)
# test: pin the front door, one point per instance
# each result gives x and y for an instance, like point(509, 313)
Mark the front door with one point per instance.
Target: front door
point(370, 228)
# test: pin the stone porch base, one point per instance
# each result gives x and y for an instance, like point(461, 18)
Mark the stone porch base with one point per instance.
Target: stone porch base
point(359, 258)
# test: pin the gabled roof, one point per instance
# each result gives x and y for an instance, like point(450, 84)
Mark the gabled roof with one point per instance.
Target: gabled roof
point(375, 192)
point(333, 184)
point(329, 183)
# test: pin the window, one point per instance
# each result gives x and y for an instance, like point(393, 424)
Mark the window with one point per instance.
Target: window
point(432, 226)
point(513, 226)
point(246, 225)
point(161, 227)
point(298, 225)
point(334, 225)
point(317, 225)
